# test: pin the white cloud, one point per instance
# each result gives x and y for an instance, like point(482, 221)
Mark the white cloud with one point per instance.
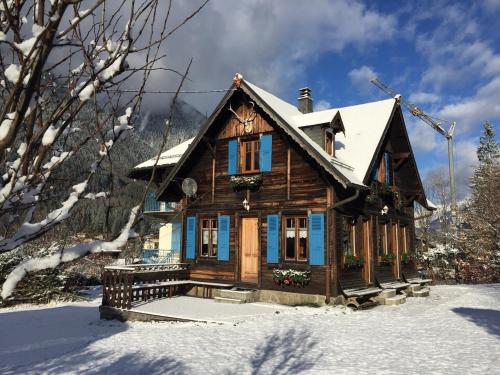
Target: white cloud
point(423, 97)
point(360, 77)
point(470, 112)
point(423, 138)
point(270, 42)
point(321, 105)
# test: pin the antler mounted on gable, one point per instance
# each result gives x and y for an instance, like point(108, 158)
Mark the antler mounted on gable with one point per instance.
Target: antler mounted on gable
point(249, 119)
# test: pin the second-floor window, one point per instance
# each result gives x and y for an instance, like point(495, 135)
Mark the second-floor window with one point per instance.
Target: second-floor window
point(208, 243)
point(250, 153)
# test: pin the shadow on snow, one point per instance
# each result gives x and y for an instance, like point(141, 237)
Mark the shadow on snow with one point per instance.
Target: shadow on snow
point(484, 318)
point(57, 340)
point(289, 352)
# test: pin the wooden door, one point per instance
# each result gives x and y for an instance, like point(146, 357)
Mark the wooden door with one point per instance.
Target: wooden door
point(249, 250)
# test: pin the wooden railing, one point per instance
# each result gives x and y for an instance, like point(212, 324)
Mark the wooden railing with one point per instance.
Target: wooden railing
point(123, 285)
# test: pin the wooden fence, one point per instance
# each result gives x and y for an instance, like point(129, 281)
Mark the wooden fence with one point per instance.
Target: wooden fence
point(132, 283)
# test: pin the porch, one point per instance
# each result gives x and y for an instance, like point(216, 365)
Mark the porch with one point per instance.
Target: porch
point(157, 292)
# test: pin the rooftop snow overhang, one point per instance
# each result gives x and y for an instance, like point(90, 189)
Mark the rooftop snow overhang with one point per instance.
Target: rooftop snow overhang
point(327, 162)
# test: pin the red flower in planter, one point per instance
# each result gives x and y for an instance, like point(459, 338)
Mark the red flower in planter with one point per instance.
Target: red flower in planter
point(287, 281)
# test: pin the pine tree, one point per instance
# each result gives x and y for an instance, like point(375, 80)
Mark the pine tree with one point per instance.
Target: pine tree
point(482, 240)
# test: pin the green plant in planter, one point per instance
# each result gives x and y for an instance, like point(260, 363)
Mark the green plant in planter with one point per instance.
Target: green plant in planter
point(387, 258)
point(353, 261)
point(406, 258)
point(244, 182)
point(372, 197)
point(291, 277)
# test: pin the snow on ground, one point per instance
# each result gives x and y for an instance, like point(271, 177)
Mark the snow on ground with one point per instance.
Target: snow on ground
point(454, 331)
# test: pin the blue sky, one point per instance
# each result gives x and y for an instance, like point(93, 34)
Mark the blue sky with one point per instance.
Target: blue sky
point(442, 55)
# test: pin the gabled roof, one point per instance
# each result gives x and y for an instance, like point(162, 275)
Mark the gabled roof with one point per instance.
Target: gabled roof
point(365, 127)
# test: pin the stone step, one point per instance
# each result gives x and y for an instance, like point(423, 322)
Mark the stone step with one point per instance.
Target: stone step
point(396, 300)
point(424, 292)
point(242, 295)
point(228, 300)
point(387, 293)
point(413, 288)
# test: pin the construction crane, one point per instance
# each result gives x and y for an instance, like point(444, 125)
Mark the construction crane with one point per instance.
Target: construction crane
point(436, 124)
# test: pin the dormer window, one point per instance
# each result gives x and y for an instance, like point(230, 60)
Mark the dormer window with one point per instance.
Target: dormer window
point(330, 142)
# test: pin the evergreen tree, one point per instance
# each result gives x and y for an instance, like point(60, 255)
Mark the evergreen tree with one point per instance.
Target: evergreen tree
point(482, 240)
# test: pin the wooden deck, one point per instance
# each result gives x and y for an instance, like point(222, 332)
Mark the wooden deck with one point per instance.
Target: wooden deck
point(126, 285)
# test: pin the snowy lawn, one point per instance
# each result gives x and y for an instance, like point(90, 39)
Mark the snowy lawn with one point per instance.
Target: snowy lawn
point(454, 331)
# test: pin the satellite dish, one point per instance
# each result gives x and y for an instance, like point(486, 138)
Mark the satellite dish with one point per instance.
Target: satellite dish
point(189, 187)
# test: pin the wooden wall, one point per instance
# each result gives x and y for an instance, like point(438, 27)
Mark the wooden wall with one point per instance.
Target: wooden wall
point(300, 191)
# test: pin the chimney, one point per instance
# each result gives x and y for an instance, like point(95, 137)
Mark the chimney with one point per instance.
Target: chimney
point(305, 101)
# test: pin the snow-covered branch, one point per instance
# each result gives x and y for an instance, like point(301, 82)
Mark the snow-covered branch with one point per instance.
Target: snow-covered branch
point(68, 254)
point(63, 68)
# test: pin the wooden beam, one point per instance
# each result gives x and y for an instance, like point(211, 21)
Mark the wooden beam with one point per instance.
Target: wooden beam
point(401, 155)
point(213, 178)
point(399, 163)
point(288, 172)
point(209, 142)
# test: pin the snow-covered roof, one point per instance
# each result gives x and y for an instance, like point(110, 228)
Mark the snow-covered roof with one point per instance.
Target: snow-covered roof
point(169, 157)
point(282, 108)
point(431, 205)
point(314, 118)
point(364, 126)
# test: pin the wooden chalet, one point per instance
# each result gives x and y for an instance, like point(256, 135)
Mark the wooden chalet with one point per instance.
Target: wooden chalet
point(319, 204)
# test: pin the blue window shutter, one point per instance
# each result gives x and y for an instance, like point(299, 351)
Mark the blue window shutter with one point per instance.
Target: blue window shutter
point(232, 158)
point(191, 237)
point(266, 152)
point(387, 162)
point(273, 238)
point(223, 238)
point(317, 239)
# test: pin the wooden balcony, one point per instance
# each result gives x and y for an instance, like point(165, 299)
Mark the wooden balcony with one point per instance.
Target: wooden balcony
point(154, 207)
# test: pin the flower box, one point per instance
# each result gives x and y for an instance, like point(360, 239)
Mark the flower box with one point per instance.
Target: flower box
point(386, 259)
point(406, 258)
point(353, 262)
point(246, 182)
point(291, 277)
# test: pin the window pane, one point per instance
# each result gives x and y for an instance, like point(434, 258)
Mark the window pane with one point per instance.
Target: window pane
point(214, 223)
point(214, 237)
point(214, 243)
point(290, 238)
point(204, 242)
point(248, 157)
point(303, 222)
point(290, 247)
point(303, 247)
point(205, 223)
point(256, 155)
